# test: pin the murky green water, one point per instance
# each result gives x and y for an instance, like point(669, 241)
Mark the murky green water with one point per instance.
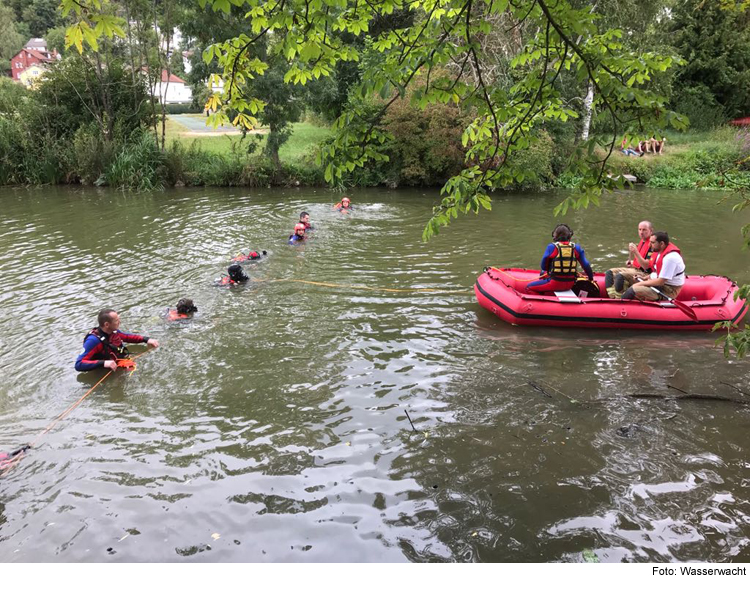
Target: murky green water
point(273, 426)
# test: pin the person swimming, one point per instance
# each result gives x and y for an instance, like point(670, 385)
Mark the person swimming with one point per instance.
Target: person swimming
point(253, 255)
point(304, 218)
point(6, 459)
point(345, 205)
point(299, 234)
point(104, 345)
point(185, 309)
point(235, 275)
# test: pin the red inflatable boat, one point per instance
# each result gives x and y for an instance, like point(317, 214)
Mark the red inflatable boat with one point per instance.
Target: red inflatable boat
point(711, 298)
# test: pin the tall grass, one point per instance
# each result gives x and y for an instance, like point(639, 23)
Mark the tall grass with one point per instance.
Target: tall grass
point(138, 165)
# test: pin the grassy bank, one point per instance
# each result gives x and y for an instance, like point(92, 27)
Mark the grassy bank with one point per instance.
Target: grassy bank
point(300, 145)
point(709, 160)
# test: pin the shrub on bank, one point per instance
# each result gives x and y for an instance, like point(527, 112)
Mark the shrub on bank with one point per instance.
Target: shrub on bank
point(138, 165)
point(426, 148)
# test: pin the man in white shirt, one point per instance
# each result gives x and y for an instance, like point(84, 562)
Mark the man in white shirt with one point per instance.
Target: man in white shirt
point(669, 272)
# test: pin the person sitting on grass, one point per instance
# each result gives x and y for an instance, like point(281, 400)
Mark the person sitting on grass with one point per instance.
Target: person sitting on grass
point(626, 149)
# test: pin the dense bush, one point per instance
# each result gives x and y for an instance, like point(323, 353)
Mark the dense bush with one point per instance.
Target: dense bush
point(701, 107)
point(537, 160)
point(426, 147)
point(138, 164)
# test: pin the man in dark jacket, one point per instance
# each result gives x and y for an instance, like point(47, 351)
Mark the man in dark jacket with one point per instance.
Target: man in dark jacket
point(104, 345)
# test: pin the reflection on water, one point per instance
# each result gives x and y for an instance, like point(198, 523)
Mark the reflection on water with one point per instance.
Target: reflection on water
point(272, 427)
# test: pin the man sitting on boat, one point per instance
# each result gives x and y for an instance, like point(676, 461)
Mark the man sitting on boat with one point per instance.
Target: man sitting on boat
point(668, 276)
point(560, 263)
point(638, 267)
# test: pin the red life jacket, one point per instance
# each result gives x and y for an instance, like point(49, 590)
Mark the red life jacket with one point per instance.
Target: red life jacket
point(644, 249)
point(251, 256)
point(175, 315)
point(112, 345)
point(658, 259)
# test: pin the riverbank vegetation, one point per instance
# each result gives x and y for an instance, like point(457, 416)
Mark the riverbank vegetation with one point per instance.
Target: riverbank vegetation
point(517, 99)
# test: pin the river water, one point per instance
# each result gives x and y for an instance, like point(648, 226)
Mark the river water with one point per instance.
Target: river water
point(273, 426)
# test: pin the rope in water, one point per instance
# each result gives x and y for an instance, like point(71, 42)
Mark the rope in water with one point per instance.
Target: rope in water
point(77, 403)
point(364, 287)
point(60, 417)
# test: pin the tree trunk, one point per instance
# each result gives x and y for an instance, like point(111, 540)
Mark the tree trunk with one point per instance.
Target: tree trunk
point(168, 68)
point(587, 112)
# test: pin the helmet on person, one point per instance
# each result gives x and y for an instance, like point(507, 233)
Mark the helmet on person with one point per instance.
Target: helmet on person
point(346, 200)
point(236, 274)
point(299, 227)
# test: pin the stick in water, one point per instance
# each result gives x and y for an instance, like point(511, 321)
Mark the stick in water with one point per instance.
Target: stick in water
point(406, 412)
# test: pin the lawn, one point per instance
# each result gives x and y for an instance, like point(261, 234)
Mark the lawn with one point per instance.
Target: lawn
point(304, 138)
point(680, 143)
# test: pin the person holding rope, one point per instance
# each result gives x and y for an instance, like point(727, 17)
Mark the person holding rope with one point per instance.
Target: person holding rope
point(560, 263)
point(104, 345)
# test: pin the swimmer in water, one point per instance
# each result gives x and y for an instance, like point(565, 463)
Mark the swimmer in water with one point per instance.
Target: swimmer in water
point(185, 309)
point(104, 345)
point(345, 205)
point(253, 255)
point(235, 276)
point(299, 234)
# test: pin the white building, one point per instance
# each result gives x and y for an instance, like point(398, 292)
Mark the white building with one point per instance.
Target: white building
point(174, 91)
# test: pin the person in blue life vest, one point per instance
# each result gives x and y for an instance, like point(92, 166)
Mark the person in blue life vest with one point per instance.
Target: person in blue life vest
point(304, 218)
point(299, 234)
point(559, 267)
point(104, 345)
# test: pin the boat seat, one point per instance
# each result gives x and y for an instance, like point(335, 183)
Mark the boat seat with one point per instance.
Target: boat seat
point(568, 296)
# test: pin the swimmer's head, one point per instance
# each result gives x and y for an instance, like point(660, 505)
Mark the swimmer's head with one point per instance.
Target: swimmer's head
point(186, 306)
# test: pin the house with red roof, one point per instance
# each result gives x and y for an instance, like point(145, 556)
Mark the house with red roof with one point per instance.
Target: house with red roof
point(171, 89)
point(34, 53)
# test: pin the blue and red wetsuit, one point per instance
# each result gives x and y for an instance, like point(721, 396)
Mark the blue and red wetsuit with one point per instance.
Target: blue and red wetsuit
point(98, 347)
point(556, 283)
